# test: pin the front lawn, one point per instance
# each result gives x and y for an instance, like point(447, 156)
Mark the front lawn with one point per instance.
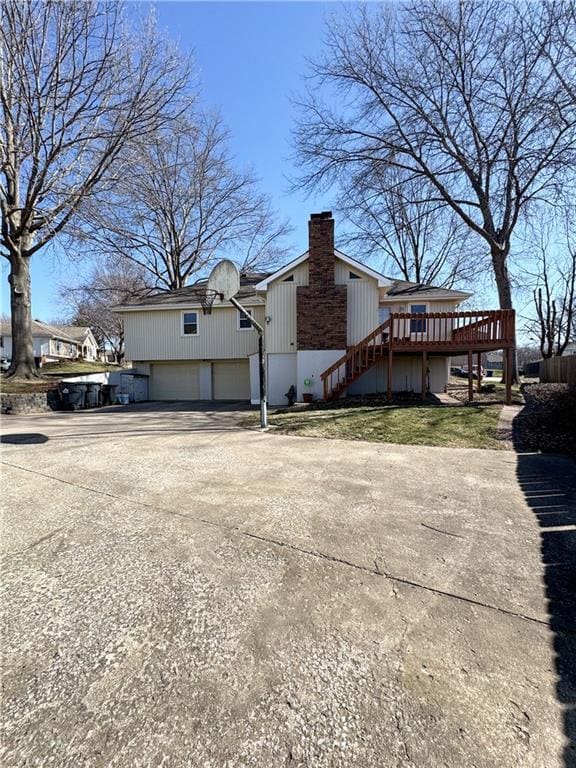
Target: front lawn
point(467, 426)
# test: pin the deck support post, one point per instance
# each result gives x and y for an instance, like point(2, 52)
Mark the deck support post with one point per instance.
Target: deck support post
point(508, 375)
point(389, 391)
point(424, 366)
point(479, 371)
point(470, 377)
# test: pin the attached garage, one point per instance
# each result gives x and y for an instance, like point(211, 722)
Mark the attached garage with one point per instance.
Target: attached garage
point(231, 380)
point(175, 381)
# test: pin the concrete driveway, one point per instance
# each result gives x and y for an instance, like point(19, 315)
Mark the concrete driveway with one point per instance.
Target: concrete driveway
point(178, 591)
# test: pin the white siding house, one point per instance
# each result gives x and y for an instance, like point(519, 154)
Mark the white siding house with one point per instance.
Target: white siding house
point(52, 343)
point(189, 355)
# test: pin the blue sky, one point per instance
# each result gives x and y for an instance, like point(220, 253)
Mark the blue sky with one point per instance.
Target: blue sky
point(250, 59)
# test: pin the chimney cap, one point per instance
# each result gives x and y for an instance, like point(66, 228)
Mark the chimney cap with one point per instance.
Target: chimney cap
point(323, 215)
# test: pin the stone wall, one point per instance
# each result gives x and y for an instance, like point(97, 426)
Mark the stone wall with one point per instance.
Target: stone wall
point(33, 402)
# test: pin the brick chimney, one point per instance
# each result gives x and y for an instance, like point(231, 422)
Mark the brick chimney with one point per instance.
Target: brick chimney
point(321, 305)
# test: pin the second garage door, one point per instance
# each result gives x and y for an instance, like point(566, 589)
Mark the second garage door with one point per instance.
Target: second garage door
point(231, 380)
point(175, 381)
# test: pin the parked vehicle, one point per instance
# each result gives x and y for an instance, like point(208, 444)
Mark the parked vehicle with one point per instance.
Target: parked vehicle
point(474, 371)
point(463, 372)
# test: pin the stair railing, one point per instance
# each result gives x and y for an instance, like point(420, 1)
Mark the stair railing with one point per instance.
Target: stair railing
point(356, 358)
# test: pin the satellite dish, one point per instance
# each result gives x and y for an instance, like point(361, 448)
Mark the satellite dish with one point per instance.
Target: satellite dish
point(225, 279)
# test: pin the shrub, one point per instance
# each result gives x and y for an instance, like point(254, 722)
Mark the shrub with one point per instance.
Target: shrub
point(549, 419)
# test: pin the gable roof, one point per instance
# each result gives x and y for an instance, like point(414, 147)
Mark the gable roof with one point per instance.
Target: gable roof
point(43, 329)
point(382, 280)
point(76, 332)
point(188, 296)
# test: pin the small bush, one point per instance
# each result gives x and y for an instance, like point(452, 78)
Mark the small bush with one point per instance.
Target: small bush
point(549, 420)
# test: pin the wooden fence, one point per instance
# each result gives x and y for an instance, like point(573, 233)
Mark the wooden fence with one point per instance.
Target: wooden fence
point(559, 369)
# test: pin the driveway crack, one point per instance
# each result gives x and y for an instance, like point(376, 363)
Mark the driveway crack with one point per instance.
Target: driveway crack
point(374, 570)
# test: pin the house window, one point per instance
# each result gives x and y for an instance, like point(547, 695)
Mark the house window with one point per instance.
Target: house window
point(289, 279)
point(189, 323)
point(354, 276)
point(243, 323)
point(383, 314)
point(416, 325)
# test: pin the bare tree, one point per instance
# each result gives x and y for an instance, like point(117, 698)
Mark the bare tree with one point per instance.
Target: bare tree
point(462, 95)
point(90, 302)
point(182, 203)
point(394, 217)
point(554, 300)
point(74, 92)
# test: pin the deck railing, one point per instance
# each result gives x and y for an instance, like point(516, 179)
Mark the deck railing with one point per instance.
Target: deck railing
point(449, 332)
point(453, 329)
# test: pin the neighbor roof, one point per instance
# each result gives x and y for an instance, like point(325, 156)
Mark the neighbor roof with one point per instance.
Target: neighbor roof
point(189, 294)
point(43, 329)
point(404, 288)
point(76, 332)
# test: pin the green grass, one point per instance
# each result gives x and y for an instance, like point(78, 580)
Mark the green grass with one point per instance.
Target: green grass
point(452, 426)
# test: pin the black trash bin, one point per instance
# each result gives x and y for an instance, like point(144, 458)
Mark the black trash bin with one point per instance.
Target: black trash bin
point(65, 398)
point(93, 395)
point(76, 396)
point(105, 395)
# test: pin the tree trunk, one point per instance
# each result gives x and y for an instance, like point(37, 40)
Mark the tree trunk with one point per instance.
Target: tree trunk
point(499, 256)
point(22, 365)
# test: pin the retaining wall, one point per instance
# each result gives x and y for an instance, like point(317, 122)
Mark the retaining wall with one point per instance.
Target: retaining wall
point(32, 402)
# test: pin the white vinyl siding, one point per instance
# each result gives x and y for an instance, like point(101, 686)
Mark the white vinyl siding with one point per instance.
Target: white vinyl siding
point(281, 309)
point(362, 309)
point(362, 301)
point(175, 381)
point(231, 380)
point(157, 335)
point(342, 273)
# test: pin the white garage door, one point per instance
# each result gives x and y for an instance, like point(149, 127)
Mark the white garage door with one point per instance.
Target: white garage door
point(175, 381)
point(231, 380)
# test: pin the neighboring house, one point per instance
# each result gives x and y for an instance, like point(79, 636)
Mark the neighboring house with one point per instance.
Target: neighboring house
point(87, 345)
point(570, 349)
point(52, 343)
point(331, 326)
point(491, 361)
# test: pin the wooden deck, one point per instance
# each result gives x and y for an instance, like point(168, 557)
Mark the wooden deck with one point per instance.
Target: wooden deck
point(447, 333)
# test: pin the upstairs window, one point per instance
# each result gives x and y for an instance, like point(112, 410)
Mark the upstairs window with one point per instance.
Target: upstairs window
point(354, 276)
point(190, 323)
point(289, 279)
point(243, 323)
point(416, 325)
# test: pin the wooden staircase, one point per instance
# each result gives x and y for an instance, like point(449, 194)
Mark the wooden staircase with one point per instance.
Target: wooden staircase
point(356, 361)
point(445, 333)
